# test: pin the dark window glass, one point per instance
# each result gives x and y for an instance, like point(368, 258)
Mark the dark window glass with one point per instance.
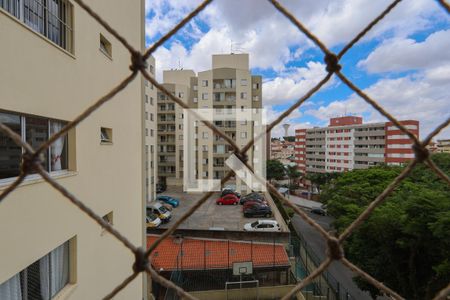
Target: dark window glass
point(36, 134)
point(10, 152)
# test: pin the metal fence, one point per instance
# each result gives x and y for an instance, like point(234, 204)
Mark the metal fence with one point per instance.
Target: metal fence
point(31, 159)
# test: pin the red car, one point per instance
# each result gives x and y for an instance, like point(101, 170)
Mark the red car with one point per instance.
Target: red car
point(229, 199)
point(254, 202)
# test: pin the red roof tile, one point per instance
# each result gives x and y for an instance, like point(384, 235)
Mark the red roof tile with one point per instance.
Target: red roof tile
point(200, 254)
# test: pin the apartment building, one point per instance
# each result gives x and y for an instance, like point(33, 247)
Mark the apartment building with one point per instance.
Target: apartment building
point(57, 61)
point(348, 144)
point(443, 146)
point(170, 126)
point(150, 132)
point(282, 150)
point(228, 85)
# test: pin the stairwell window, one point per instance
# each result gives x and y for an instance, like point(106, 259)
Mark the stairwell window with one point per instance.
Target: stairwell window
point(106, 47)
point(106, 135)
point(50, 18)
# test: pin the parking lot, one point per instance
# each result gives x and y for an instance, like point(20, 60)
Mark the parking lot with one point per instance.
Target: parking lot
point(210, 215)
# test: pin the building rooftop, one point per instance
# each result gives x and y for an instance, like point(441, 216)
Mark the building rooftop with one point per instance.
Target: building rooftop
point(198, 254)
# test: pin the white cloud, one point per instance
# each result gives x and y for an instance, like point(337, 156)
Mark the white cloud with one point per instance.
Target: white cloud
point(294, 83)
point(292, 119)
point(400, 54)
point(422, 97)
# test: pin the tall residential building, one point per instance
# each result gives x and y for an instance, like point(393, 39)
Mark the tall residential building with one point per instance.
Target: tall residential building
point(150, 115)
point(56, 62)
point(348, 144)
point(228, 85)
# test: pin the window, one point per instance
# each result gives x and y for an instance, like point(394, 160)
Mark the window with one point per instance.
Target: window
point(35, 131)
point(43, 279)
point(51, 18)
point(146, 132)
point(180, 137)
point(204, 82)
point(243, 95)
point(256, 86)
point(195, 99)
point(146, 98)
point(146, 115)
point(243, 135)
point(180, 95)
point(243, 82)
point(195, 87)
point(108, 218)
point(151, 116)
point(205, 135)
point(152, 69)
point(106, 48)
point(151, 100)
point(204, 96)
point(205, 148)
point(152, 149)
point(105, 135)
point(151, 132)
point(255, 98)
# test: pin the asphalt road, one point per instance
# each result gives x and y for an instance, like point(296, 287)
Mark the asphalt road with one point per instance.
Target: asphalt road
point(318, 244)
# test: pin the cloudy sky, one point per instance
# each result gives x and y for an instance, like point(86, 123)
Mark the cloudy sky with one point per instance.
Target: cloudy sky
point(403, 63)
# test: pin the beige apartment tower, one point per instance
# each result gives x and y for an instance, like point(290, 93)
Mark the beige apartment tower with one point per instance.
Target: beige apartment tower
point(228, 85)
point(55, 62)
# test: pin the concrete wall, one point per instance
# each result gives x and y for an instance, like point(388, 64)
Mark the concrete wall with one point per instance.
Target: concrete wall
point(42, 79)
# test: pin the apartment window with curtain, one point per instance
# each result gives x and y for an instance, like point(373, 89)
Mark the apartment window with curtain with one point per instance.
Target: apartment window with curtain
point(51, 18)
point(41, 280)
point(35, 131)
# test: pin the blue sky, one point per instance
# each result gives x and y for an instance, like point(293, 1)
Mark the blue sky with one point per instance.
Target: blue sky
point(403, 63)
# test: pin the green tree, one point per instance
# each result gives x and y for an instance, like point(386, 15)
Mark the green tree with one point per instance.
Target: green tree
point(274, 170)
point(292, 173)
point(320, 179)
point(405, 243)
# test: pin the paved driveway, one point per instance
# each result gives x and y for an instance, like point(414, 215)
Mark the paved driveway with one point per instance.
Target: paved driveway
point(209, 215)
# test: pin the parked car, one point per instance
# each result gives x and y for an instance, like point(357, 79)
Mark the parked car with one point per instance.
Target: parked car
point(318, 211)
point(228, 199)
point(228, 192)
point(257, 210)
point(166, 205)
point(152, 220)
point(163, 213)
point(160, 188)
point(262, 225)
point(252, 202)
point(169, 200)
point(252, 197)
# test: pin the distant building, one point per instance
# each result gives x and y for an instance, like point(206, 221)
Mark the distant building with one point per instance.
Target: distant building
point(282, 150)
point(348, 144)
point(443, 146)
point(228, 85)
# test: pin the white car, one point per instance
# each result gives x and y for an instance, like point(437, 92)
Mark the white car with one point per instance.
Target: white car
point(262, 225)
point(153, 221)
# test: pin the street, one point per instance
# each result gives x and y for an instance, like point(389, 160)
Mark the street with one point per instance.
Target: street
point(318, 244)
